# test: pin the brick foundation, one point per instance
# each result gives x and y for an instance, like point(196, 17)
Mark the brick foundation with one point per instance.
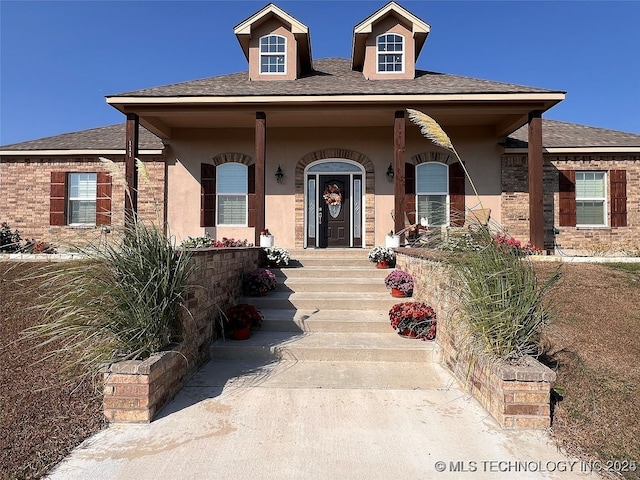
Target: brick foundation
point(515, 396)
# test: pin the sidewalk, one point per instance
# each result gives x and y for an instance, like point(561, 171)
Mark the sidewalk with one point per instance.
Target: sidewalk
point(297, 421)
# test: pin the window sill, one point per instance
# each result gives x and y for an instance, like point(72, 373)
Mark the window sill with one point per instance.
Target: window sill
point(86, 226)
point(592, 227)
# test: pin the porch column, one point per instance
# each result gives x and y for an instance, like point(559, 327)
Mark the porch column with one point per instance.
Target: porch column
point(398, 169)
point(536, 188)
point(261, 153)
point(132, 130)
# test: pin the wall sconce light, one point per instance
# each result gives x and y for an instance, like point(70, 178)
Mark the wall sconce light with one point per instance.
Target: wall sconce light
point(390, 173)
point(279, 175)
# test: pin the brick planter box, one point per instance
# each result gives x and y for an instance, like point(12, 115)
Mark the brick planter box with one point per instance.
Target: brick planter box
point(135, 391)
point(516, 396)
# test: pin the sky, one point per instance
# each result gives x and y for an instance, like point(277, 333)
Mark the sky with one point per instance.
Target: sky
point(59, 59)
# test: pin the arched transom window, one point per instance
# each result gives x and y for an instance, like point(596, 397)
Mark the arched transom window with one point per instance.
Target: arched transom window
point(273, 54)
point(390, 52)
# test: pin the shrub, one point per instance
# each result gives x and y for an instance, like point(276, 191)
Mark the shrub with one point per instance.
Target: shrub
point(503, 302)
point(9, 241)
point(124, 303)
point(207, 241)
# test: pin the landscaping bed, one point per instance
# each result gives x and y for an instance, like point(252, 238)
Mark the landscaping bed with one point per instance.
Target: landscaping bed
point(42, 416)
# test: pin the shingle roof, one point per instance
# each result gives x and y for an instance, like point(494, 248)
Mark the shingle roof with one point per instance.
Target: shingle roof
point(563, 134)
point(332, 76)
point(111, 137)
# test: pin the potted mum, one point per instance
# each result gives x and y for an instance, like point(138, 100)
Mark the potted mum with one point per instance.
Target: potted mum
point(381, 256)
point(413, 320)
point(266, 238)
point(400, 283)
point(277, 256)
point(240, 319)
point(258, 282)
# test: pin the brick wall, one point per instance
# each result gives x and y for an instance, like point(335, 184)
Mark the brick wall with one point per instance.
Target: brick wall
point(516, 396)
point(136, 390)
point(25, 189)
point(591, 241)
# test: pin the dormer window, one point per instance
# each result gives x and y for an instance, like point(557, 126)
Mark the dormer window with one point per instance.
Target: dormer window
point(390, 52)
point(273, 54)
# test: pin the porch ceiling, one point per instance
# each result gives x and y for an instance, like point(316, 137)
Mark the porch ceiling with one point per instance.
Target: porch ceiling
point(504, 117)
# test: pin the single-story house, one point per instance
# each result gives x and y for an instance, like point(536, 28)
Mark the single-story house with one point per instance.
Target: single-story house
point(322, 153)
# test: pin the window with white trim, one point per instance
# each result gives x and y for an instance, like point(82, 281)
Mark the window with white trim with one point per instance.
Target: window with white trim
point(232, 194)
point(273, 55)
point(82, 198)
point(432, 193)
point(390, 53)
point(591, 198)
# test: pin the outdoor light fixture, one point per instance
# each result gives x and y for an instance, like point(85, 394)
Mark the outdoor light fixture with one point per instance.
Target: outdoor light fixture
point(279, 175)
point(390, 173)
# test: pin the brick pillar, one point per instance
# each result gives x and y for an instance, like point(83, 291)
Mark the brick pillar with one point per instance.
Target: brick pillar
point(398, 169)
point(536, 195)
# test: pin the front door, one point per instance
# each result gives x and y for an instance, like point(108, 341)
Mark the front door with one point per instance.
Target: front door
point(334, 200)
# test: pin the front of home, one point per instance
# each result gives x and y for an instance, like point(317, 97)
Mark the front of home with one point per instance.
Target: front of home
point(322, 153)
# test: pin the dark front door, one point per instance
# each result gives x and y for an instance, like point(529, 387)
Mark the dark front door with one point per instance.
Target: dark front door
point(335, 230)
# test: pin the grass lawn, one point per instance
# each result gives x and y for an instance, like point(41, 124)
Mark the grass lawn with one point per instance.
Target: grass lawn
point(592, 344)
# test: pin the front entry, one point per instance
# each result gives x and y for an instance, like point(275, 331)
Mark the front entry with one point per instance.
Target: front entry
point(334, 212)
point(333, 204)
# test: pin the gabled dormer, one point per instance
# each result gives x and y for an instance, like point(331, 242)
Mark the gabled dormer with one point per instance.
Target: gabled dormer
point(386, 44)
point(276, 45)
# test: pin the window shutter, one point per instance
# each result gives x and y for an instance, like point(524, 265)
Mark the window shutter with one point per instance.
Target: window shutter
point(567, 198)
point(251, 183)
point(618, 188)
point(456, 194)
point(207, 195)
point(410, 192)
point(57, 199)
point(103, 198)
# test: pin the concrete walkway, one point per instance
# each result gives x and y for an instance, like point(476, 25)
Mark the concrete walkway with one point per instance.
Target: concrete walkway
point(325, 391)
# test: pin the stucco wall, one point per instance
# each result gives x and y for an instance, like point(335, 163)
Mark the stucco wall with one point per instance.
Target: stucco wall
point(390, 24)
point(287, 146)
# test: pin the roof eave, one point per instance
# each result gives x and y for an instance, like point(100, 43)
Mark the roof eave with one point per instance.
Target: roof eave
point(574, 150)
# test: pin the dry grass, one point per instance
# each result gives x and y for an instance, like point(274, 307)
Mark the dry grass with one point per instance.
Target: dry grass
point(593, 346)
point(42, 416)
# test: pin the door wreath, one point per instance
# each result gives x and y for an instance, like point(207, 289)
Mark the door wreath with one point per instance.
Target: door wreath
point(333, 198)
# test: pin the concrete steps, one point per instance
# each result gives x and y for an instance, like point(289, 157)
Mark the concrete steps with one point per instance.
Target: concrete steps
point(327, 326)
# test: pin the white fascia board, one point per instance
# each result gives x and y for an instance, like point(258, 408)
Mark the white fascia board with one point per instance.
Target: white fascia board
point(591, 150)
point(461, 97)
point(244, 28)
point(366, 25)
point(26, 153)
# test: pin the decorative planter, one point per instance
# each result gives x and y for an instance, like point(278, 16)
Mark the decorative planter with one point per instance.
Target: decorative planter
point(266, 241)
point(392, 242)
point(398, 293)
point(382, 264)
point(242, 333)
